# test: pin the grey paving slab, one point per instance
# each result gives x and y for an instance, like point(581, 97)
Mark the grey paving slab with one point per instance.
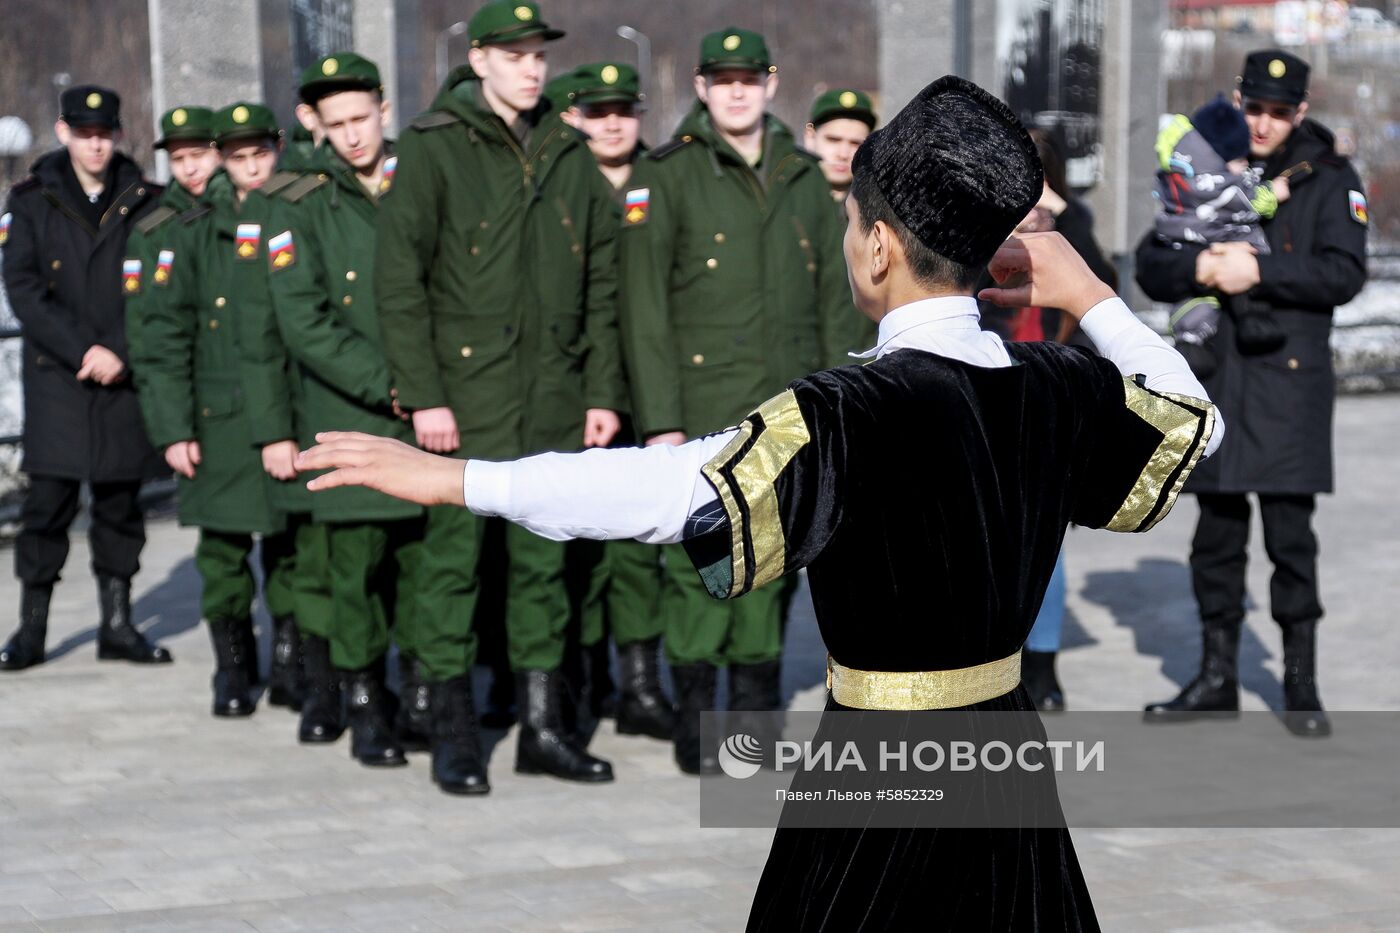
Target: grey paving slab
point(125, 806)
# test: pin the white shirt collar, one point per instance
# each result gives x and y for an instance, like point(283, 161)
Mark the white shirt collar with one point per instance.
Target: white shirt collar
point(950, 314)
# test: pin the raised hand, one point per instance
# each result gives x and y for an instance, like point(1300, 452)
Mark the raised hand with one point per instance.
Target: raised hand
point(1042, 270)
point(392, 467)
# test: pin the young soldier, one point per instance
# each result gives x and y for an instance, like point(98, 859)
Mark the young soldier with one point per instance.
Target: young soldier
point(605, 101)
point(841, 119)
point(319, 253)
point(495, 278)
point(63, 233)
point(190, 340)
point(732, 284)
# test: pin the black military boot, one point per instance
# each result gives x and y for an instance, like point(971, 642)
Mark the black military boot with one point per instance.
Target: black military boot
point(755, 703)
point(287, 678)
point(371, 737)
point(323, 708)
point(500, 712)
point(1303, 714)
point(413, 725)
point(1038, 674)
point(644, 708)
point(1216, 689)
point(545, 746)
point(117, 638)
point(233, 695)
point(695, 692)
point(26, 646)
point(458, 767)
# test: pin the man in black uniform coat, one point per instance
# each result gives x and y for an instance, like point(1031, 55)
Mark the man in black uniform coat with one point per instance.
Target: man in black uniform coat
point(1274, 386)
point(63, 235)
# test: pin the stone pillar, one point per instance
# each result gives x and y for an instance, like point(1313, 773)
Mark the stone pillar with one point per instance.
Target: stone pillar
point(376, 28)
point(1133, 96)
point(203, 52)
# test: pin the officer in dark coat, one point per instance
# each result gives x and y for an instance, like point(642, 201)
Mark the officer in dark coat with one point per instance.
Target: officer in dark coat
point(64, 236)
point(1274, 386)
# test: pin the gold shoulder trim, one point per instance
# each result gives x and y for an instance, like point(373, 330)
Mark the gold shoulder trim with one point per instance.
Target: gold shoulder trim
point(1186, 425)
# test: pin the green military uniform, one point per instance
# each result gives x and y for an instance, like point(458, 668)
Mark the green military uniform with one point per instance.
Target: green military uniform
point(733, 283)
point(319, 248)
point(496, 287)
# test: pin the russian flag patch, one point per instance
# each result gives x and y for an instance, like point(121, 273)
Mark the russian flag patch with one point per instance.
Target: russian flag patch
point(387, 182)
point(165, 260)
point(1356, 202)
point(635, 206)
point(281, 251)
point(246, 240)
point(5, 227)
point(131, 276)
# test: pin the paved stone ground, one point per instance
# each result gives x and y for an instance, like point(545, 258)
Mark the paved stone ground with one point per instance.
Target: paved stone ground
point(125, 806)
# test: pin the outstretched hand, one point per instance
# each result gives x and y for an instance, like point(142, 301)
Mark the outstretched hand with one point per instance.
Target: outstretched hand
point(392, 467)
point(1043, 270)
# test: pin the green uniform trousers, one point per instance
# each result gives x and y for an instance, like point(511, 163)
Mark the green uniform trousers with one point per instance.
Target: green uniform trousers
point(624, 593)
point(703, 630)
point(311, 589)
point(449, 585)
point(222, 561)
point(371, 576)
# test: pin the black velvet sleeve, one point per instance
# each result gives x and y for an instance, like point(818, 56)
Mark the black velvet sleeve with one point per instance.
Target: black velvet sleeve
point(779, 484)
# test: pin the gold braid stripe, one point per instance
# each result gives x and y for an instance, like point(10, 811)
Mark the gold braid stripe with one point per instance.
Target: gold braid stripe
point(908, 690)
point(1180, 419)
point(731, 505)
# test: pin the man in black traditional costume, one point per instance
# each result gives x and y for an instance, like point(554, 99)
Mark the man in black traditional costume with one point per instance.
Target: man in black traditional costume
point(927, 492)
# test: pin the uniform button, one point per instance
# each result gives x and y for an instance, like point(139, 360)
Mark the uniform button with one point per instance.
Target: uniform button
point(1288, 247)
point(207, 413)
point(567, 221)
point(466, 351)
point(811, 267)
point(213, 323)
point(346, 300)
point(719, 237)
point(220, 301)
point(804, 243)
point(686, 139)
point(476, 250)
point(140, 190)
point(712, 263)
point(351, 276)
point(698, 358)
point(122, 211)
point(575, 248)
point(1293, 363)
point(484, 225)
point(56, 264)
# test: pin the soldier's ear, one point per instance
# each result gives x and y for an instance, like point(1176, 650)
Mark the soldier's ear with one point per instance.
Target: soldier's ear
point(62, 131)
point(386, 111)
point(809, 136)
point(1302, 112)
point(306, 116)
point(770, 87)
point(1239, 101)
point(702, 89)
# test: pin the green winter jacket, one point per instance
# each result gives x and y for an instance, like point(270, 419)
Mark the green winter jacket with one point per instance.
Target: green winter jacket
point(319, 246)
point(733, 281)
point(496, 277)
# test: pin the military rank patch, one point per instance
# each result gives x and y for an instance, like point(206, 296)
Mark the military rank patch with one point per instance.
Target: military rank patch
point(1356, 202)
point(5, 227)
point(636, 205)
point(281, 251)
point(387, 182)
point(131, 276)
point(245, 240)
point(164, 261)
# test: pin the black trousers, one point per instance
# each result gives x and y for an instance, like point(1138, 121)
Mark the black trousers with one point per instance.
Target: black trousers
point(1219, 557)
point(116, 536)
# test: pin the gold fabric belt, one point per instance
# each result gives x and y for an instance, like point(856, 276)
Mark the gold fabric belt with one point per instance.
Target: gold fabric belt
point(906, 690)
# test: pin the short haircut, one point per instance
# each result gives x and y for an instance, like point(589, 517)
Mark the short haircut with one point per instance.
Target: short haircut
point(929, 268)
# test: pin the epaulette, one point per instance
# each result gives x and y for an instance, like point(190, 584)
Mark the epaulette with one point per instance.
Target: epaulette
point(666, 148)
point(25, 184)
point(279, 182)
point(196, 212)
point(434, 119)
point(155, 218)
point(303, 186)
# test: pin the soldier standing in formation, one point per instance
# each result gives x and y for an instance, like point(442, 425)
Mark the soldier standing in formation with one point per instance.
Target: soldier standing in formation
point(841, 119)
point(64, 231)
point(495, 279)
point(733, 283)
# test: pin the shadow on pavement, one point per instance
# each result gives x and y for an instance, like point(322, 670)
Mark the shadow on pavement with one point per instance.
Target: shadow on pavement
point(174, 602)
point(1154, 602)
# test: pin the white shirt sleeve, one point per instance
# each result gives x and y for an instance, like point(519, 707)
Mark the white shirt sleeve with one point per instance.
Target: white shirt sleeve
point(1133, 347)
point(646, 493)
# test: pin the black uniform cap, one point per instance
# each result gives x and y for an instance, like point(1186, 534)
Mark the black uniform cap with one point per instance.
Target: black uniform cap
point(1273, 74)
point(957, 168)
point(90, 105)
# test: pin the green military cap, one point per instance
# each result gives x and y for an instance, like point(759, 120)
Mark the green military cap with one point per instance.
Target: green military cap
point(606, 83)
point(559, 90)
point(185, 125)
point(244, 120)
point(843, 104)
point(734, 48)
point(342, 71)
point(508, 20)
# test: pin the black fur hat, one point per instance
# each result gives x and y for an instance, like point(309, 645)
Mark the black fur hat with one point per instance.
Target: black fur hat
point(958, 169)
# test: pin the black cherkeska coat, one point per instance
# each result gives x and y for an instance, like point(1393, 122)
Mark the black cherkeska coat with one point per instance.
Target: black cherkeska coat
point(64, 280)
point(1277, 406)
